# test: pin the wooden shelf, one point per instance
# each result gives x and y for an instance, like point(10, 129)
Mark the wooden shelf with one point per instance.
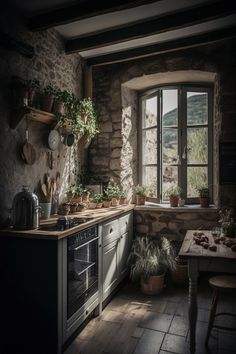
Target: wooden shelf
point(30, 113)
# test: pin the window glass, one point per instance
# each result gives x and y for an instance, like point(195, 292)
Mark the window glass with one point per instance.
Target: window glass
point(150, 178)
point(196, 177)
point(197, 143)
point(170, 145)
point(150, 146)
point(197, 108)
point(169, 178)
point(169, 108)
point(150, 112)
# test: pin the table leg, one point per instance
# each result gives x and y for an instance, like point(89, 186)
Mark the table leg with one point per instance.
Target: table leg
point(193, 276)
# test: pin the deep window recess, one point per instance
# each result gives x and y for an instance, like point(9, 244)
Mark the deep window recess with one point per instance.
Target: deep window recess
point(176, 140)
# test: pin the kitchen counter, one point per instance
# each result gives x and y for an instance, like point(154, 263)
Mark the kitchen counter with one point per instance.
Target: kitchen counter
point(95, 216)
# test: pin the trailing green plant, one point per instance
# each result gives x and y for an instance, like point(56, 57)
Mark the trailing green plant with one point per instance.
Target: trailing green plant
point(49, 90)
point(86, 107)
point(173, 191)
point(140, 190)
point(149, 256)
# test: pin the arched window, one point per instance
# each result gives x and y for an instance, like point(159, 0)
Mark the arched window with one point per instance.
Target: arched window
point(176, 139)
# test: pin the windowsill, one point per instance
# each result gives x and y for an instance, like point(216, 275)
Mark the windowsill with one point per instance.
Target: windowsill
point(193, 208)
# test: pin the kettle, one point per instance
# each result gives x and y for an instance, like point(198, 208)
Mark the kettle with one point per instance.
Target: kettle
point(25, 210)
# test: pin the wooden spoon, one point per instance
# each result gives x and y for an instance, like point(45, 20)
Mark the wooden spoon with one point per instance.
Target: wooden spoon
point(28, 150)
point(44, 189)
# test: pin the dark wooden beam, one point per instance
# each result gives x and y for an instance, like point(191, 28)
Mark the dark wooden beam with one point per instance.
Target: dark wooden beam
point(80, 10)
point(14, 44)
point(172, 45)
point(154, 26)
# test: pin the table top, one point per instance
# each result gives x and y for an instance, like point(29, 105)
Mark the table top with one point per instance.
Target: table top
point(191, 249)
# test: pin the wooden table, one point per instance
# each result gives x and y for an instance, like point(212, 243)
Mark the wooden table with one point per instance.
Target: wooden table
point(201, 259)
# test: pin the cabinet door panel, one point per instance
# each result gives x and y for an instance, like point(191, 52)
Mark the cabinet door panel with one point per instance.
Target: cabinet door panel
point(110, 269)
point(124, 249)
point(110, 232)
point(126, 223)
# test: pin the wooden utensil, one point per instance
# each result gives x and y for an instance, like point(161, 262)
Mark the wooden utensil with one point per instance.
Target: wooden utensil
point(44, 189)
point(28, 150)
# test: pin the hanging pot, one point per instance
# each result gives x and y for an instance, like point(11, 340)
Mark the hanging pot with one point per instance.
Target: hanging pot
point(28, 152)
point(68, 139)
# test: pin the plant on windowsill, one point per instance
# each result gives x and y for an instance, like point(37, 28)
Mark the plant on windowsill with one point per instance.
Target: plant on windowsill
point(173, 193)
point(149, 260)
point(204, 198)
point(140, 194)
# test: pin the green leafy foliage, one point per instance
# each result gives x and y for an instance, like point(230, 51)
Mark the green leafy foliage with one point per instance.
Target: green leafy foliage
point(141, 190)
point(149, 256)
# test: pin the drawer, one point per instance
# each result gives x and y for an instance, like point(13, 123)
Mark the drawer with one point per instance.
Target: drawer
point(110, 231)
point(126, 223)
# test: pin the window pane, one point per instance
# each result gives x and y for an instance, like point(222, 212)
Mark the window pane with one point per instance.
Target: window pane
point(169, 107)
point(197, 142)
point(150, 146)
point(170, 178)
point(196, 177)
point(150, 178)
point(170, 145)
point(150, 112)
point(197, 108)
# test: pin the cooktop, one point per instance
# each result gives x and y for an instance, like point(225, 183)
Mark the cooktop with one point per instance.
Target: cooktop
point(63, 223)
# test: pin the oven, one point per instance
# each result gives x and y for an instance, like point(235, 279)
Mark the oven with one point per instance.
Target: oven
point(82, 269)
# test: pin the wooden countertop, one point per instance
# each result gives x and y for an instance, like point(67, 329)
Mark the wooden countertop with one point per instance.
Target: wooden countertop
point(97, 216)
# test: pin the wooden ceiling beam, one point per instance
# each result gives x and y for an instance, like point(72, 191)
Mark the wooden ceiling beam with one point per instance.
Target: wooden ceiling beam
point(164, 47)
point(79, 11)
point(154, 26)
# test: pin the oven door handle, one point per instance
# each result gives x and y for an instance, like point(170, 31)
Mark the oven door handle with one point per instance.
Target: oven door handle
point(84, 244)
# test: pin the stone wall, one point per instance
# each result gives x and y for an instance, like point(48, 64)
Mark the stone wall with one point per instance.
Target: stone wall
point(49, 65)
point(172, 224)
point(109, 82)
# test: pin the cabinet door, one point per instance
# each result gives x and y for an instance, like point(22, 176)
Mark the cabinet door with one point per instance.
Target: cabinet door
point(110, 273)
point(124, 249)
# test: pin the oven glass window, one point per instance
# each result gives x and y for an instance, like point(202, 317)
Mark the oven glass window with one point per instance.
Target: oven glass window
point(82, 270)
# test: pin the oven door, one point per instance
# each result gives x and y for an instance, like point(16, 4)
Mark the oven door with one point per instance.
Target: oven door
point(82, 269)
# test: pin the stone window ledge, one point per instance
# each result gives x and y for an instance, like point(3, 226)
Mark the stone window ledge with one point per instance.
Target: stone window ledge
point(166, 207)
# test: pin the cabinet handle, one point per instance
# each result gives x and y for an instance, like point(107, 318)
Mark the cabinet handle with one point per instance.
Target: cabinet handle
point(121, 237)
point(111, 230)
point(126, 223)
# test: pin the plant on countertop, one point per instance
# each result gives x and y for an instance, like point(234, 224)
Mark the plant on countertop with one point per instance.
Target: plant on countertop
point(78, 190)
point(150, 258)
point(112, 191)
point(97, 198)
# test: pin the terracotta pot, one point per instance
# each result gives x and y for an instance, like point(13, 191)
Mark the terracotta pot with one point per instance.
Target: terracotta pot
point(80, 208)
point(73, 208)
point(107, 203)
point(85, 197)
point(92, 205)
point(140, 199)
point(58, 107)
point(77, 198)
point(204, 202)
point(115, 201)
point(174, 201)
point(99, 205)
point(180, 274)
point(123, 200)
point(47, 103)
point(155, 285)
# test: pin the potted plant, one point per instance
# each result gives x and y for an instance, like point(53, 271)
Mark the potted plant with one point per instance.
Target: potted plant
point(60, 100)
point(85, 195)
point(180, 274)
point(113, 191)
point(77, 193)
point(173, 193)
point(47, 98)
point(149, 260)
point(123, 199)
point(98, 199)
point(88, 116)
point(140, 194)
point(204, 198)
point(34, 93)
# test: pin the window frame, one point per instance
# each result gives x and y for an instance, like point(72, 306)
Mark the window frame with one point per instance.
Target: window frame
point(182, 88)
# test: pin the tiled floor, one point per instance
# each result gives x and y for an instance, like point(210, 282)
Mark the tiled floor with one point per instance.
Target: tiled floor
point(133, 323)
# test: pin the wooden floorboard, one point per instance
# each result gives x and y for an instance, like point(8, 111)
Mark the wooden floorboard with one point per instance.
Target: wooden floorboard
point(133, 323)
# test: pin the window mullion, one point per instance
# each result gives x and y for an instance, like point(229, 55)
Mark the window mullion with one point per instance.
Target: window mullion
point(183, 152)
